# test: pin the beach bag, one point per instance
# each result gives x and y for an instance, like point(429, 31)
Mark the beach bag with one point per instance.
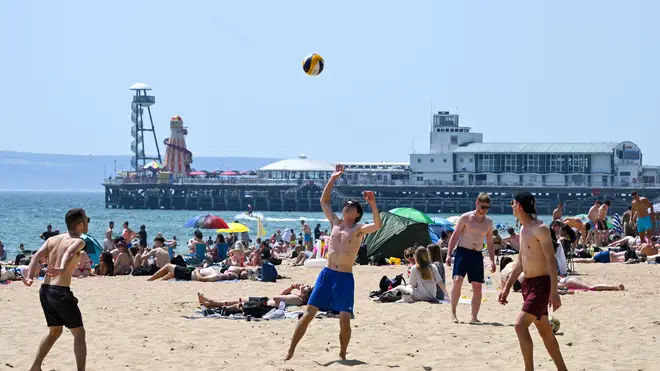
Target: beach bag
point(256, 307)
point(268, 272)
point(385, 282)
point(178, 260)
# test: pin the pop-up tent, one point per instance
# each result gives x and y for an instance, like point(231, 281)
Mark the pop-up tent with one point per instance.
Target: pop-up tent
point(396, 234)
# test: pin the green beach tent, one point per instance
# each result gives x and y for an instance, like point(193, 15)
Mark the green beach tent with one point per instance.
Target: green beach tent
point(396, 235)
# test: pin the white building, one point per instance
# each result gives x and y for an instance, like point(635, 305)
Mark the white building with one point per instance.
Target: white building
point(458, 156)
point(390, 173)
point(356, 173)
point(295, 169)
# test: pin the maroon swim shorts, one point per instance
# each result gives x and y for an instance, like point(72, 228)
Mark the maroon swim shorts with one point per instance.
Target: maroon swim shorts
point(536, 294)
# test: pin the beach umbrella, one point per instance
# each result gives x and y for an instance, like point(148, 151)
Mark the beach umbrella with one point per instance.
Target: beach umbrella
point(261, 232)
point(412, 214)
point(93, 246)
point(444, 223)
point(153, 165)
point(616, 224)
point(234, 228)
point(206, 222)
point(453, 219)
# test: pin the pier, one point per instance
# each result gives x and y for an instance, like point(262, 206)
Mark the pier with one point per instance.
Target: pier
point(304, 195)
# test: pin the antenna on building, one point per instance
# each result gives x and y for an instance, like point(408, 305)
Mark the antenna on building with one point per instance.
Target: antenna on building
point(457, 109)
point(413, 149)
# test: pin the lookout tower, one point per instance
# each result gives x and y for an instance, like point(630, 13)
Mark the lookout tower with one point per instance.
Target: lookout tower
point(142, 100)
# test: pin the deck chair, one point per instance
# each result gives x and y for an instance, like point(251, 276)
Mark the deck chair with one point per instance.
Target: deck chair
point(199, 255)
point(569, 251)
point(223, 249)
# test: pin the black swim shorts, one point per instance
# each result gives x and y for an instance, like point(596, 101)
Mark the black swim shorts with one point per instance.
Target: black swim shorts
point(182, 273)
point(60, 306)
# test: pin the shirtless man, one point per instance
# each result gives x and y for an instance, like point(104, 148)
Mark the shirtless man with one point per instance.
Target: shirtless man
point(583, 228)
point(335, 288)
point(60, 307)
point(211, 273)
point(471, 229)
point(307, 236)
point(537, 261)
point(603, 231)
point(159, 253)
point(128, 233)
point(558, 212)
point(593, 220)
point(513, 239)
point(640, 209)
point(107, 240)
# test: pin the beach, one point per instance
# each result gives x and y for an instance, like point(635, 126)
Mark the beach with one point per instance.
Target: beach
point(132, 324)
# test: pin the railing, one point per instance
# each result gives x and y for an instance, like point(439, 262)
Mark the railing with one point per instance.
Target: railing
point(389, 183)
point(144, 99)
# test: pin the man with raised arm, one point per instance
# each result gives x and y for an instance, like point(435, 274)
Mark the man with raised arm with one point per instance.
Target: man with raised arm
point(471, 230)
point(60, 307)
point(539, 289)
point(334, 289)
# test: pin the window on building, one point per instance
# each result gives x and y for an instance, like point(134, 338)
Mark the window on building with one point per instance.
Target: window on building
point(461, 160)
point(444, 160)
point(432, 160)
point(509, 163)
point(471, 160)
point(453, 140)
point(419, 160)
point(485, 163)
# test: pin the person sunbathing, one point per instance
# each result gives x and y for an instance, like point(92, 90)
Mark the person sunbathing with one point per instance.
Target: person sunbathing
point(287, 295)
point(84, 267)
point(574, 283)
point(123, 258)
point(607, 256)
point(212, 273)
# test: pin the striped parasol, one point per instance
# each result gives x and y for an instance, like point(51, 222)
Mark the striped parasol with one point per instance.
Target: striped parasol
point(616, 224)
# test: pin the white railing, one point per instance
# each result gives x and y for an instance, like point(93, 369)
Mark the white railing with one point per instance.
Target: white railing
point(388, 183)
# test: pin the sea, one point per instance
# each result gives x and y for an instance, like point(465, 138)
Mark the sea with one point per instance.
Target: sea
point(25, 216)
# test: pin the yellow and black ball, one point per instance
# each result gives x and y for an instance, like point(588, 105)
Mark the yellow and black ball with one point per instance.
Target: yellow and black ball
point(313, 64)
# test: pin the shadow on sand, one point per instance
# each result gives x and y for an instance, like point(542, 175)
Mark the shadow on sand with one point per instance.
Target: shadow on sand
point(348, 362)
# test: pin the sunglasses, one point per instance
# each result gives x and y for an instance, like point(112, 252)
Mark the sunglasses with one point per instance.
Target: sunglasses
point(484, 207)
point(409, 256)
point(88, 219)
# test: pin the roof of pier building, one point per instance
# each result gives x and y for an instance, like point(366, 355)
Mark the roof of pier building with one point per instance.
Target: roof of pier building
point(301, 163)
point(581, 148)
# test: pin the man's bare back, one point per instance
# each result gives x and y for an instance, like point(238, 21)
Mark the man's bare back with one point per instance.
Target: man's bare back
point(56, 249)
point(474, 231)
point(602, 212)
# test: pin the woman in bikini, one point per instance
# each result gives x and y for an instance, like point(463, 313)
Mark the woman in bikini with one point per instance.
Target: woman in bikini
point(574, 283)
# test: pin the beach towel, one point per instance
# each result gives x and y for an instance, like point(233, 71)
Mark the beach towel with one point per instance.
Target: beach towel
point(199, 313)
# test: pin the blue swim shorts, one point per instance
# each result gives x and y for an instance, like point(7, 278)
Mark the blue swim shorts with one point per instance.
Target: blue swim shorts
point(602, 257)
point(470, 262)
point(308, 238)
point(333, 291)
point(644, 224)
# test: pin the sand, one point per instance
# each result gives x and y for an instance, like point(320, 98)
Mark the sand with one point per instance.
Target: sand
point(132, 324)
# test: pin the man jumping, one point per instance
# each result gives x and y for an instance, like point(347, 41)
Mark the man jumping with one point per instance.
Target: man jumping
point(472, 228)
point(60, 307)
point(334, 289)
point(537, 261)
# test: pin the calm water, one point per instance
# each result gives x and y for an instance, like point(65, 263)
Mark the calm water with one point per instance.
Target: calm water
point(26, 214)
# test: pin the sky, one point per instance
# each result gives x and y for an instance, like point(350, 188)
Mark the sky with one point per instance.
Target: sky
point(516, 71)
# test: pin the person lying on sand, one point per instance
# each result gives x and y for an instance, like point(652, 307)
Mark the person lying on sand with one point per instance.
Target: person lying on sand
point(287, 295)
point(606, 257)
point(209, 274)
point(575, 283)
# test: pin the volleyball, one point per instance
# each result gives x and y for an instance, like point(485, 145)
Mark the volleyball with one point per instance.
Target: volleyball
point(313, 64)
point(554, 323)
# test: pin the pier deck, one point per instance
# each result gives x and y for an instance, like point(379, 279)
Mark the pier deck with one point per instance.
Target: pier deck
point(304, 195)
